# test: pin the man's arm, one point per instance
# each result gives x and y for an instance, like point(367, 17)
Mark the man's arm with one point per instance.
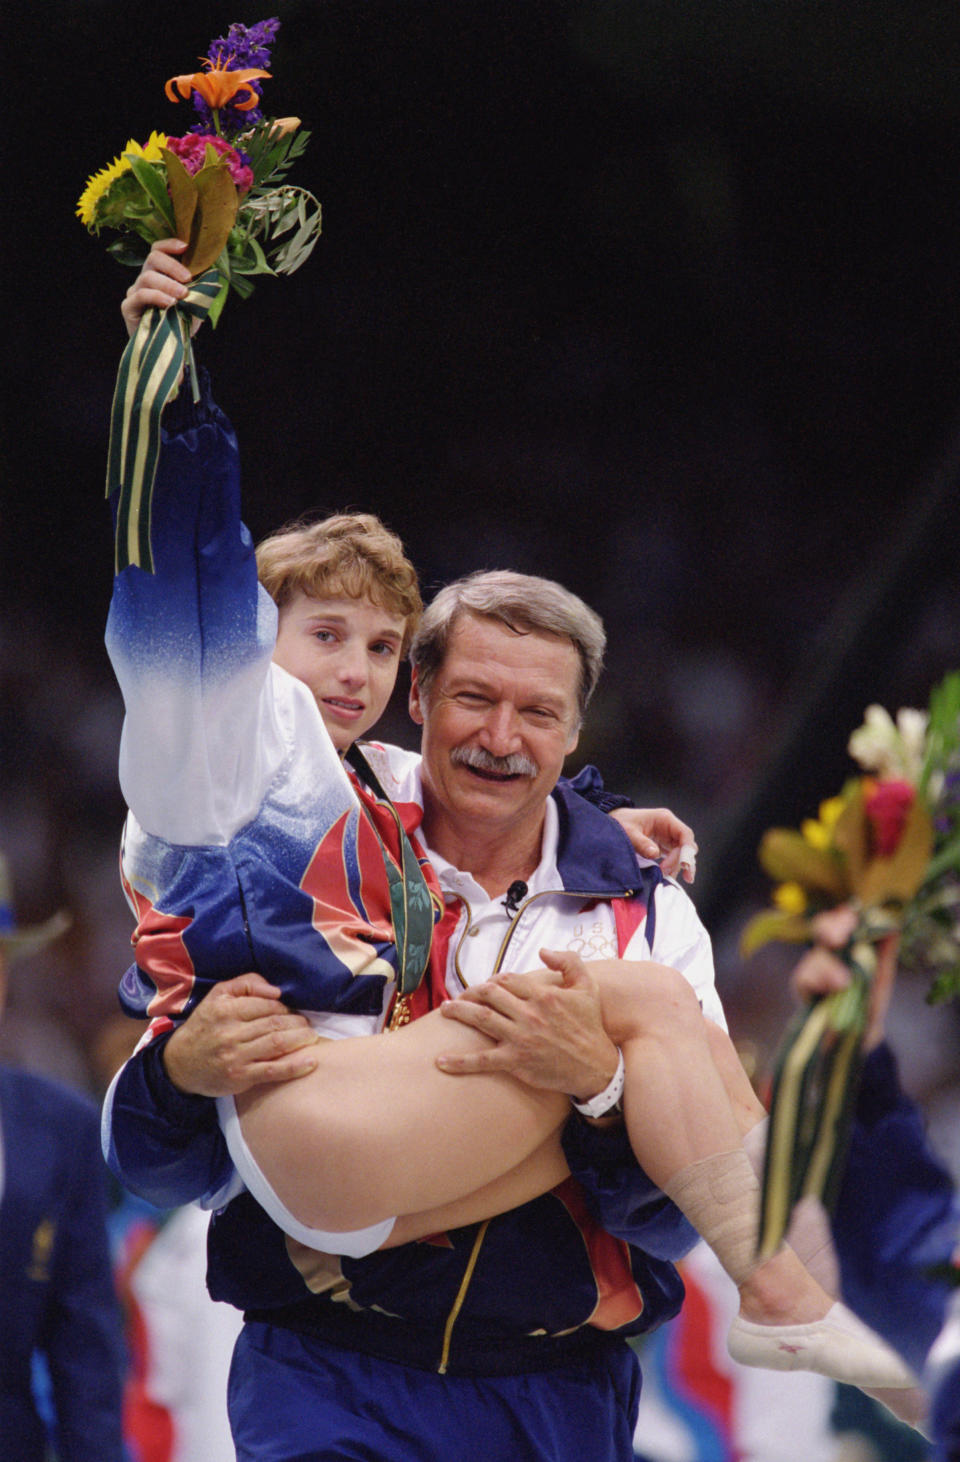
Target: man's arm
point(552, 1036)
point(160, 1131)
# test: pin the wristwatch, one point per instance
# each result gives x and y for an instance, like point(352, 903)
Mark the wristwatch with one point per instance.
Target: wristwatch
point(608, 1099)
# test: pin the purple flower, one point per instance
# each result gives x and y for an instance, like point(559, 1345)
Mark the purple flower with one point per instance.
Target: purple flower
point(242, 46)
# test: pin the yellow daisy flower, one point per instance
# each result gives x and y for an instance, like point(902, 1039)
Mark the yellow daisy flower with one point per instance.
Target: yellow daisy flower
point(819, 834)
point(99, 184)
point(790, 898)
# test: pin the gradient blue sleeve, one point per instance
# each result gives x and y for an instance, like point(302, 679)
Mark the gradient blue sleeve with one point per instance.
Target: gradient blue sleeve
point(896, 1217)
point(163, 1144)
point(191, 644)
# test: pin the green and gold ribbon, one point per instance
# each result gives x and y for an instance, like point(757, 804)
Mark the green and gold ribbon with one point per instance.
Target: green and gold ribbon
point(147, 379)
point(816, 1079)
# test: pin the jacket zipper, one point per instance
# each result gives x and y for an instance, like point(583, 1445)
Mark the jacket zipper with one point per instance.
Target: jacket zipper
point(546, 893)
point(497, 966)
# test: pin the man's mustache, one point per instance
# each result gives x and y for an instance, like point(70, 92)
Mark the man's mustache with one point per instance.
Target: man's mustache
point(514, 765)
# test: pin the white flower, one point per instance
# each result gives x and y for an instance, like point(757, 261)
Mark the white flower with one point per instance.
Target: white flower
point(912, 726)
point(874, 744)
point(888, 749)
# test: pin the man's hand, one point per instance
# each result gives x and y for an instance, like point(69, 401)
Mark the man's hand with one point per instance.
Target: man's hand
point(547, 1027)
point(239, 1036)
point(162, 281)
point(820, 972)
point(655, 832)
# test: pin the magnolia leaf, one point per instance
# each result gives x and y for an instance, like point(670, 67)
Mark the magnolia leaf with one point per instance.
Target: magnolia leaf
point(772, 925)
point(851, 833)
point(215, 216)
point(897, 878)
point(183, 193)
point(789, 858)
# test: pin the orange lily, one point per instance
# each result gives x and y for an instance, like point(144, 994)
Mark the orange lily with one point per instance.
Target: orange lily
point(217, 85)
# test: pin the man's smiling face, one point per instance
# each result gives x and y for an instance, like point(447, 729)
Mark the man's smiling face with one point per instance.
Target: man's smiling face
point(498, 719)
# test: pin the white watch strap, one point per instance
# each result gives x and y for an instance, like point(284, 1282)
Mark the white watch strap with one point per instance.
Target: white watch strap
point(597, 1106)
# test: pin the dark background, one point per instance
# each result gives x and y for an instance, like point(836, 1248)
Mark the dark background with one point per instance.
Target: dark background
point(656, 299)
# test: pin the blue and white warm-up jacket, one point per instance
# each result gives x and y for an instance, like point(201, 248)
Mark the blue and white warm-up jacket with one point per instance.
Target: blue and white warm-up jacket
point(245, 848)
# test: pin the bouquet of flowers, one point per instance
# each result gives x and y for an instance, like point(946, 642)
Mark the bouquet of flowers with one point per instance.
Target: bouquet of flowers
point(222, 188)
point(888, 846)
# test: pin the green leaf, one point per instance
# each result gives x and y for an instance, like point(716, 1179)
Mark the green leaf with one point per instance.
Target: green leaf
point(125, 251)
point(944, 986)
point(945, 859)
point(272, 157)
point(214, 218)
point(220, 299)
point(943, 731)
point(289, 255)
point(250, 258)
point(150, 179)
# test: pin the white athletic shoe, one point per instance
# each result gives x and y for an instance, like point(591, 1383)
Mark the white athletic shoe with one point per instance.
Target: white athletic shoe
point(911, 1406)
point(839, 1346)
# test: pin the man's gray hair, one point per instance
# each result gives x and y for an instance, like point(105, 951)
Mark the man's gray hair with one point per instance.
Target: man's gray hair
point(525, 604)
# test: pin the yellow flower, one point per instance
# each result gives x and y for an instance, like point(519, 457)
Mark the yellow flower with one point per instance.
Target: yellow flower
point(819, 834)
point(98, 184)
point(790, 898)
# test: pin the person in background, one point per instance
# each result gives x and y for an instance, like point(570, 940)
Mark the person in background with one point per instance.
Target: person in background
point(179, 1340)
point(61, 1336)
point(896, 1225)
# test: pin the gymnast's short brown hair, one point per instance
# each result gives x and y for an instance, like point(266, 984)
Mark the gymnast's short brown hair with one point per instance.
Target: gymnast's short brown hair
point(352, 555)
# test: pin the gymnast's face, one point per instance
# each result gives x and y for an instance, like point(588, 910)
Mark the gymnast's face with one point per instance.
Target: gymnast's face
point(347, 652)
